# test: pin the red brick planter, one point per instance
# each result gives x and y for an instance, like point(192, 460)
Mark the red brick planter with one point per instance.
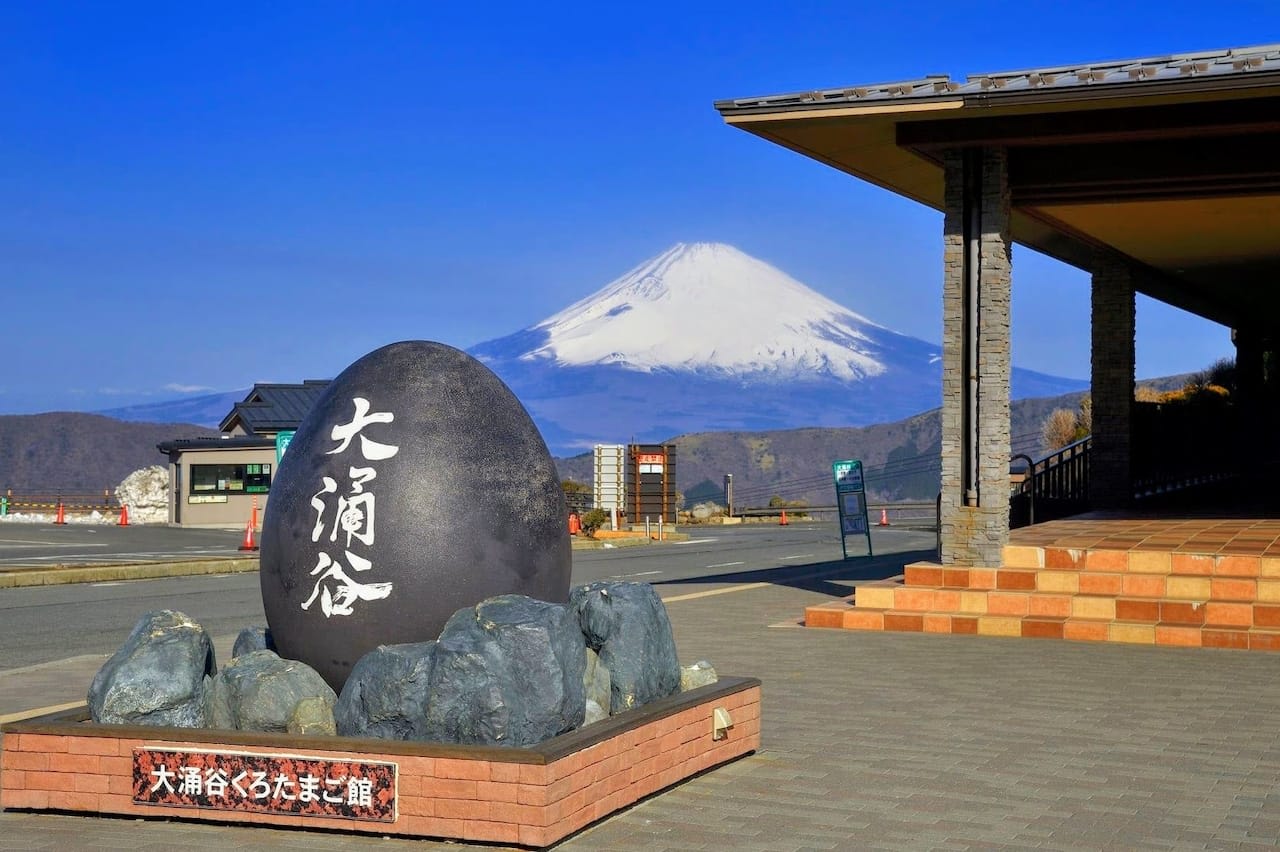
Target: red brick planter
point(530, 796)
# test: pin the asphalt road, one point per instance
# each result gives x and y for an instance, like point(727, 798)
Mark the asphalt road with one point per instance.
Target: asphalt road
point(107, 544)
point(48, 623)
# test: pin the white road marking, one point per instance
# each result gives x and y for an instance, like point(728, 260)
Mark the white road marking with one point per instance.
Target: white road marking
point(797, 556)
point(39, 711)
point(48, 544)
point(726, 564)
point(821, 572)
point(726, 590)
point(697, 541)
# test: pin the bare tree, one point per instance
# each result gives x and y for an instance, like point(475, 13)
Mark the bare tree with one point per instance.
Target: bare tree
point(1059, 429)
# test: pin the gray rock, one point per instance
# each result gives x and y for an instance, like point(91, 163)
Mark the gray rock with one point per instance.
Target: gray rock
point(386, 695)
point(627, 625)
point(252, 639)
point(314, 717)
point(594, 713)
point(508, 672)
point(699, 674)
point(260, 692)
point(596, 682)
point(158, 677)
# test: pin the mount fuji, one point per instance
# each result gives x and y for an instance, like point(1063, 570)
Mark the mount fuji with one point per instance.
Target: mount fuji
point(704, 337)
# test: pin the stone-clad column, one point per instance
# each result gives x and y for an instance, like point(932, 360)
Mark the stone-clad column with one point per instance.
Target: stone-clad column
point(1114, 326)
point(977, 279)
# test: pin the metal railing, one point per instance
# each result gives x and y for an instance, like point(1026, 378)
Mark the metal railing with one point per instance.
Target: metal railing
point(904, 513)
point(1054, 486)
point(48, 502)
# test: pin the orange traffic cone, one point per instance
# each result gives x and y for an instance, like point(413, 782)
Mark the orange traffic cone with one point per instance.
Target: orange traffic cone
point(884, 517)
point(248, 537)
point(782, 522)
point(62, 515)
point(124, 516)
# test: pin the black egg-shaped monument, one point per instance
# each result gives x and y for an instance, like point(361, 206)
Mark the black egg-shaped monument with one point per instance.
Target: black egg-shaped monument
point(417, 485)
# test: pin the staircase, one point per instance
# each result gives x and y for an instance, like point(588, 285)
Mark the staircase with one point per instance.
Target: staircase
point(1150, 597)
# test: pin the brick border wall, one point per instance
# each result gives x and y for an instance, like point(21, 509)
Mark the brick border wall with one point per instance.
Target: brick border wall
point(508, 796)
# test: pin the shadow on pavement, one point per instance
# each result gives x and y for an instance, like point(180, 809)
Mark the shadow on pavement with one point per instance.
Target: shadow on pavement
point(817, 576)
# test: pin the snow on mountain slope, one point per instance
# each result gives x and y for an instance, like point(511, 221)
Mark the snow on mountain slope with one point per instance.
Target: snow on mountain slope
point(710, 308)
point(706, 338)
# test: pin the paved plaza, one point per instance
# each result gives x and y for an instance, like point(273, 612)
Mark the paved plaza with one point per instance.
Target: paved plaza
point(893, 741)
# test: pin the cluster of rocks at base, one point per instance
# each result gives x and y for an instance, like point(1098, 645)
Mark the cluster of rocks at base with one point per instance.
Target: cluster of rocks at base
point(510, 671)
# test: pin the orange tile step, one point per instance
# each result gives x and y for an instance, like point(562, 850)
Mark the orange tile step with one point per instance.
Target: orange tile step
point(1165, 562)
point(839, 615)
point(1052, 588)
point(1213, 613)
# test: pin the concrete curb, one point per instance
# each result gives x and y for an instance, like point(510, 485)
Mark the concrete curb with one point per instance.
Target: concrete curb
point(64, 574)
point(628, 541)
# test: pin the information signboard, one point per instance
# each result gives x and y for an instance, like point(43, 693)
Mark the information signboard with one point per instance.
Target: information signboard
point(282, 443)
point(851, 499)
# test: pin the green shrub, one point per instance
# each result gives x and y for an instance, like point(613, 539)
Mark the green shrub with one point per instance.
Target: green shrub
point(593, 521)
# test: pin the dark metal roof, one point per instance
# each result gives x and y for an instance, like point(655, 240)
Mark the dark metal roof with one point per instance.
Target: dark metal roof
point(1206, 67)
point(224, 442)
point(272, 407)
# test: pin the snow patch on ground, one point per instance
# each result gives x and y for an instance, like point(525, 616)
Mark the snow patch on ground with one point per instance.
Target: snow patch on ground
point(146, 493)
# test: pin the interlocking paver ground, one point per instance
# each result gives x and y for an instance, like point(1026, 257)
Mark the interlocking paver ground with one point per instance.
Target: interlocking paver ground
point(910, 741)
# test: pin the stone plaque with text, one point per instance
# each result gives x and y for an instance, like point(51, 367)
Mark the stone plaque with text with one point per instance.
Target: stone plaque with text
point(265, 783)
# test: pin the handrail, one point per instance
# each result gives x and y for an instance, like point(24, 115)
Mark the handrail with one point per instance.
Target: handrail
point(1059, 481)
point(913, 507)
point(1031, 493)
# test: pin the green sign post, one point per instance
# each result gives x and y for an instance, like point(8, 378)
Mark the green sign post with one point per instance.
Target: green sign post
point(282, 444)
point(851, 498)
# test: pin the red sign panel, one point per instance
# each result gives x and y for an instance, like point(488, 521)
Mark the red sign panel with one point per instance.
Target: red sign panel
point(265, 783)
point(649, 458)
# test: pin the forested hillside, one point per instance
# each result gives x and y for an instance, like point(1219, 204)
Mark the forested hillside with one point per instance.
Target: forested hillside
point(79, 453)
point(901, 458)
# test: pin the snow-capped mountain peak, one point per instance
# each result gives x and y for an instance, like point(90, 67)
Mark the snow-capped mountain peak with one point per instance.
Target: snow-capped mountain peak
point(710, 308)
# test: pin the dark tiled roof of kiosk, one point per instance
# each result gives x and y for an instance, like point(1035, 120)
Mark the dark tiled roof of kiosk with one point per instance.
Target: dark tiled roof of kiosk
point(1206, 66)
point(271, 407)
point(224, 442)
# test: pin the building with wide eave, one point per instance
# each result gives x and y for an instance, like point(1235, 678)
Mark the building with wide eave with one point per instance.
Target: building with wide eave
point(217, 482)
point(1158, 176)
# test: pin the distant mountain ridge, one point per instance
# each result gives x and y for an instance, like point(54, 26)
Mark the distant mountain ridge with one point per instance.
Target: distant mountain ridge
point(205, 410)
point(704, 337)
point(902, 459)
point(701, 338)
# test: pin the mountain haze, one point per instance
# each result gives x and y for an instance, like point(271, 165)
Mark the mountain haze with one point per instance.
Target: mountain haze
point(205, 409)
point(701, 338)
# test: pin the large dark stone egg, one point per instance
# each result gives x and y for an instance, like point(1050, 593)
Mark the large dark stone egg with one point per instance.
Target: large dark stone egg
point(417, 485)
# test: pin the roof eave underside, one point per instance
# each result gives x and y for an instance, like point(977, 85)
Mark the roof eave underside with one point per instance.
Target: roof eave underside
point(868, 146)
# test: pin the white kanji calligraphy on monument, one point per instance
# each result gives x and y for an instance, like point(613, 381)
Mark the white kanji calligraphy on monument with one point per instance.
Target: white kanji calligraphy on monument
point(351, 515)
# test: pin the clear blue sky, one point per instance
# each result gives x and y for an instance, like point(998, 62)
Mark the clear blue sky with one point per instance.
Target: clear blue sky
point(208, 195)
